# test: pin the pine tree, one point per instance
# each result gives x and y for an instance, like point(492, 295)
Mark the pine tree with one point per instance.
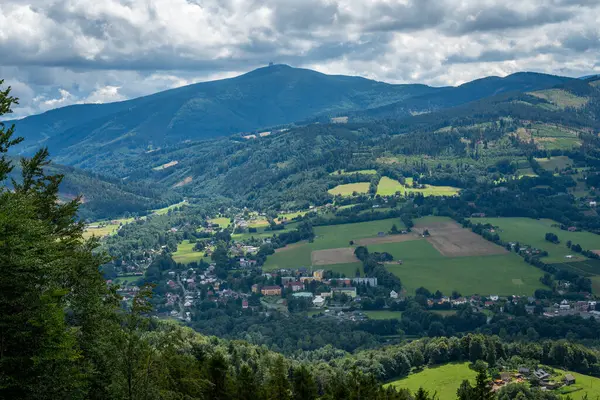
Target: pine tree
point(483, 387)
point(304, 386)
point(278, 386)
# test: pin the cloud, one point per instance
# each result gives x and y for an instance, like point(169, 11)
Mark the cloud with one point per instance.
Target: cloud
point(69, 51)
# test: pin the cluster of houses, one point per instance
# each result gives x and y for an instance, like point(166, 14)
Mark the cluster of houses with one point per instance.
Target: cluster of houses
point(544, 379)
point(297, 284)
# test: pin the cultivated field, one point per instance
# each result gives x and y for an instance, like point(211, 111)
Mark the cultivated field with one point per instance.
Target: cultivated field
point(398, 238)
point(423, 265)
point(350, 188)
point(388, 187)
point(443, 380)
point(344, 255)
point(532, 232)
point(326, 238)
point(452, 240)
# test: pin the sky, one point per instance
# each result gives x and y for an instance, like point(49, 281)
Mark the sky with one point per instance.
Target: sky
point(59, 52)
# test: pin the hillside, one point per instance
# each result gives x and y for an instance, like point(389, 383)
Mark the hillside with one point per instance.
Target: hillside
point(265, 97)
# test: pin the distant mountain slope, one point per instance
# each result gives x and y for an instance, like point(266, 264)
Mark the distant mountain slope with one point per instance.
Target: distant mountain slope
point(264, 97)
point(466, 93)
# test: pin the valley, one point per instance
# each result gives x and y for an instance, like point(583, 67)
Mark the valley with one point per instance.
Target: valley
point(413, 236)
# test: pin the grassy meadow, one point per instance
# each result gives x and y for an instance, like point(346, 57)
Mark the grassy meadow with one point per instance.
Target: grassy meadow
point(185, 253)
point(388, 187)
point(223, 222)
point(383, 314)
point(105, 227)
point(423, 265)
point(443, 380)
point(532, 232)
point(165, 210)
point(551, 163)
point(349, 189)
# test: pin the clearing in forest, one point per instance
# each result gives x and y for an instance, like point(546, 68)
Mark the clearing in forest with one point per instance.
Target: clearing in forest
point(350, 188)
point(165, 166)
point(342, 255)
point(389, 187)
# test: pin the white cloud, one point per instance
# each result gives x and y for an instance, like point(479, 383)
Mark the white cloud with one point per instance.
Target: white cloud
point(107, 50)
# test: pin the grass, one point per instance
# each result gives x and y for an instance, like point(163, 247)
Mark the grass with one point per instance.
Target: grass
point(532, 232)
point(107, 228)
point(223, 222)
point(185, 253)
point(443, 380)
point(383, 314)
point(423, 265)
point(165, 210)
point(561, 98)
point(127, 280)
point(292, 215)
point(360, 171)
point(329, 237)
point(584, 385)
point(550, 164)
point(388, 187)
point(350, 188)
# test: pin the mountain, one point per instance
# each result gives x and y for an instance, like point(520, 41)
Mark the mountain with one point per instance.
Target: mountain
point(265, 97)
point(468, 92)
point(277, 95)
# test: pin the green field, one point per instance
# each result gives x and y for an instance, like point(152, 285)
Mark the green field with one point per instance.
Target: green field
point(532, 232)
point(329, 237)
point(443, 380)
point(383, 314)
point(388, 187)
point(550, 164)
point(165, 210)
point(561, 98)
point(106, 228)
point(423, 265)
point(185, 253)
point(360, 171)
point(223, 222)
point(446, 379)
point(350, 188)
point(584, 385)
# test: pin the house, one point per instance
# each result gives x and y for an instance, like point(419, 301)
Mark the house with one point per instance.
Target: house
point(244, 304)
point(459, 301)
point(494, 297)
point(524, 371)
point(564, 305)
point(325, 295)
point(393, 294)
point(530, 309)
point(505, 376)
point(593, 204)
point(319, 274)
point(246, 263)
point(478, 215)
point(306, 279)
point(541, 374)
point(287, 279)
point(318, 301)
point(295, 286)
point(569, 379)
point(271, 291)
point(255, 288)
point(572, 229)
